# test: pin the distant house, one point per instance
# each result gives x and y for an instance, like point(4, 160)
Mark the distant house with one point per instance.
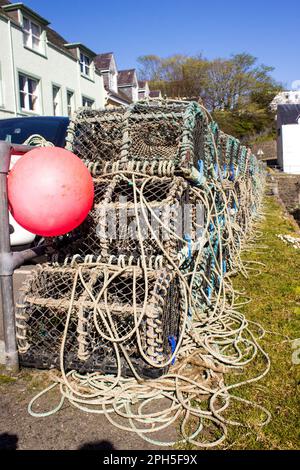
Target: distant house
point(128, 84)
point(144, 90)
point(107, 65)
point(288, 137)
point(155, 94)
point(41, 73)
point(266, 151)
point(285, 97)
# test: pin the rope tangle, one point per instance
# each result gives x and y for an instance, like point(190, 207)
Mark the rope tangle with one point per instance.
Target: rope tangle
point(136, 308)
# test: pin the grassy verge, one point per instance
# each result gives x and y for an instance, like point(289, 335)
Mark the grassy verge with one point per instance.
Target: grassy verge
point(275, 295)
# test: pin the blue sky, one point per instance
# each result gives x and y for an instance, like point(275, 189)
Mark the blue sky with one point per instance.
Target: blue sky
point(270, 30)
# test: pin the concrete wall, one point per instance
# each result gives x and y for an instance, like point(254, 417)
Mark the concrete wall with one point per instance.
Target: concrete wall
point(289, 192)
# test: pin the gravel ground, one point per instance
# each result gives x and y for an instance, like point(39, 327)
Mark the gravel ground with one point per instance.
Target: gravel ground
point(68, 429)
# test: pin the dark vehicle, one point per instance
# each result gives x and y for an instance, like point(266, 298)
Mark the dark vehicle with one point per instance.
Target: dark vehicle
point(17, 130)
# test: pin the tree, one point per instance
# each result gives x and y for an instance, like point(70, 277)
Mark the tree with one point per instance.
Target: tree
point(150, 66)
point(237, 90)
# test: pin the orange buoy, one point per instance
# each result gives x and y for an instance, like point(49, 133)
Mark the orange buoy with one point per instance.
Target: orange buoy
point(50, 191)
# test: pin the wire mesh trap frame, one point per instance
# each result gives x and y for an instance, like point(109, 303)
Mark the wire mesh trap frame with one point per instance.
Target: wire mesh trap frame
point(157, 137)
point(137, 154)
point(114, 313)
point(149, 137)
point(111, 230)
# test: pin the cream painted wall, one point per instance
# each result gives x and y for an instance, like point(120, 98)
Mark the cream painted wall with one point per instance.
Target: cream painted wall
point(55, 68)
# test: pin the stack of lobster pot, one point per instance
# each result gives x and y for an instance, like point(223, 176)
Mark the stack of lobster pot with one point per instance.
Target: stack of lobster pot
point(115, 298)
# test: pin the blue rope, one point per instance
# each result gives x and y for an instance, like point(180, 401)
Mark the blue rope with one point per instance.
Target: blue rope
point(172, 342)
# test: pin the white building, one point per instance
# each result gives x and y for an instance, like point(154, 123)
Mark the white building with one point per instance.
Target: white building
point(40, 72)
point(106, 63)
point(144, 90)
point(285, 97)
point(288, 137)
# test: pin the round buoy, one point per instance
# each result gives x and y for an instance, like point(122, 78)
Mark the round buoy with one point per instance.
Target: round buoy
point(50, 191)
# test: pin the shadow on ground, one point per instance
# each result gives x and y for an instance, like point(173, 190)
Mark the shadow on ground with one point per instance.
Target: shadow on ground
point(8, 441)
point(100, 445)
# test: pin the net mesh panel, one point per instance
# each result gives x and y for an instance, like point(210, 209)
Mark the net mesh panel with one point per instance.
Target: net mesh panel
point(41, 320)
point(145, 132)
point(113, 232)
point(96, 138)
point(161, 144)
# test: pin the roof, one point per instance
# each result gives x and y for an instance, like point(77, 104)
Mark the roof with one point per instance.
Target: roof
point(58, 41)
point(288, 114)
point(155, 93)
point(269, 149)
point(53, 37)
point(142, 84)
point(2, 12)
point(102, 61)
point(8, 6)
point(74, 45)
point(119, 96)
point(126, 77)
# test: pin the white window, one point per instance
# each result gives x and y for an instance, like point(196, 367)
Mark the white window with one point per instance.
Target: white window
point(70, 103)
point(85, 65)
point(56, 100)
point(32, 35)
point(87, 102)
point(28, 87)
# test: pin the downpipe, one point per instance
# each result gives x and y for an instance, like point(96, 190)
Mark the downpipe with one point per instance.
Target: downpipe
point(10, 261)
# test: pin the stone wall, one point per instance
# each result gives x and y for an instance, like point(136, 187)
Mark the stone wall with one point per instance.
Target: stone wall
point(289, 192)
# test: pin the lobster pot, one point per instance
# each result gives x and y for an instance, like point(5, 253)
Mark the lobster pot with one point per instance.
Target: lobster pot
point(96, 136)
point(153, 137)
point(132, 220)
point(100, 318)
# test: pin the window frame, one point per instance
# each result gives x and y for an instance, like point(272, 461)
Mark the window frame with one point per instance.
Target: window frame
point(26, 93)
point(88, 100)
point(29, 35)
point(56, 105)
point(73, 106)
point(84, 66)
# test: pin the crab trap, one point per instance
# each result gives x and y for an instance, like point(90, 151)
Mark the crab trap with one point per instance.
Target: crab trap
point(99, 319)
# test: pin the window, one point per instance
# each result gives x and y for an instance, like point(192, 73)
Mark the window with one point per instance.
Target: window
point(56, 100)
point(85, 64)
point(70, 103)
point(29, 99)
point(32, 35)
point(87, 103)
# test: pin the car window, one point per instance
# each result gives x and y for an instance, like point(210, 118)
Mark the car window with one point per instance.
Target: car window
point(17, 131)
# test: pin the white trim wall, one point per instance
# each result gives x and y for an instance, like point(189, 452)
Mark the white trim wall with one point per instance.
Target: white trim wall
point(52, 67)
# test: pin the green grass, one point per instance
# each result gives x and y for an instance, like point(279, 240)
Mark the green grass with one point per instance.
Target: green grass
point(275, 305)
point(6, 379)
point(275, 295)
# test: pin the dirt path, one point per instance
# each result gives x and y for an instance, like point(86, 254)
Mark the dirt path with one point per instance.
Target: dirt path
point(69, 429)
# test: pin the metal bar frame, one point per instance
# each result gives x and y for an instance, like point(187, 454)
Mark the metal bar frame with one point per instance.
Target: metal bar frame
point(10, 261)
